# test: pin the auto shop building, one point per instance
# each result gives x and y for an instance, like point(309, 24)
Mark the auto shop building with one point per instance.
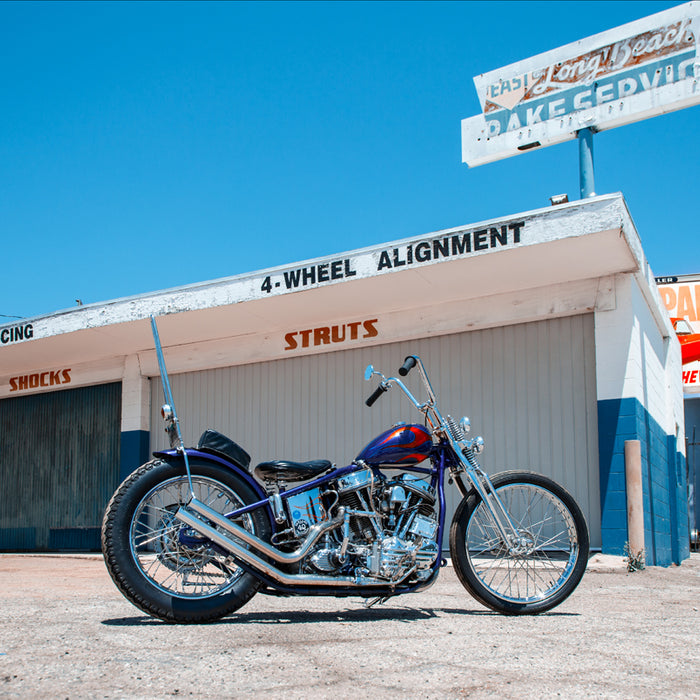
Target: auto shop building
point(546, 328)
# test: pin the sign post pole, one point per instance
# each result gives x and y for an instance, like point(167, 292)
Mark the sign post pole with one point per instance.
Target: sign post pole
point(585, 162)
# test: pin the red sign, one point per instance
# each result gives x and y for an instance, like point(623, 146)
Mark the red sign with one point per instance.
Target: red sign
point(682, 301)
point(326, 335)
point(37, 380)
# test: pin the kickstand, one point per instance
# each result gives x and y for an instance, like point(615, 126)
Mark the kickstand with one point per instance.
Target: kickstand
point(376, 601)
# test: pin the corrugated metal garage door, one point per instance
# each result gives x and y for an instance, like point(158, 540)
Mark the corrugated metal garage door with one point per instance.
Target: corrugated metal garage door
point(59, 465)
point(529, 389)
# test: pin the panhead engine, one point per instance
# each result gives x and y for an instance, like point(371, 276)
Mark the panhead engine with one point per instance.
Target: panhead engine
point(390, 528)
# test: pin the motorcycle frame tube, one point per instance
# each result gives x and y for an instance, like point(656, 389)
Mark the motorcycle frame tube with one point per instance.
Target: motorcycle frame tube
point(479, 479)
point(439, 477)
point(296, 583)
point(468, 464)
point(335, 474)
point(168, 455)
point(438, 481)
point(315, 532)
point(341, 591)
point(444, 457)
point(264, 500)
point(260, 565)
point(308, 584)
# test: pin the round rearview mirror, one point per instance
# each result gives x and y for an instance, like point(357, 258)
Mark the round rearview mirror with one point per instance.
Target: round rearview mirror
point(369, 371)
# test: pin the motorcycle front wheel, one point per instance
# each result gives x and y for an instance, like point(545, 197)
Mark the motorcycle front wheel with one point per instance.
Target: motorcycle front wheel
point(159, 564)
point(546, 562)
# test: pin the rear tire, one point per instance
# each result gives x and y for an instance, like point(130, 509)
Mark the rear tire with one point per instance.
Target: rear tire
point(158, 563)
point(553, 546)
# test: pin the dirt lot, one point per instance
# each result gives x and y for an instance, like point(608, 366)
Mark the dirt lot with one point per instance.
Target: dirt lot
point(66, 632)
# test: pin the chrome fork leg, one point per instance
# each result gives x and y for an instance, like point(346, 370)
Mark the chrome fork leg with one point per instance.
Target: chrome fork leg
point(507, 529)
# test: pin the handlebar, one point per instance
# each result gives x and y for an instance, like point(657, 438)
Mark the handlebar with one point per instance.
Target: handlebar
point(408, 364)
point(445, 428)
point(377, 393)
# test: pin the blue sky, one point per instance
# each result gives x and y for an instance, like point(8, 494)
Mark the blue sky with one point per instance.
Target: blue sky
point(149, 145)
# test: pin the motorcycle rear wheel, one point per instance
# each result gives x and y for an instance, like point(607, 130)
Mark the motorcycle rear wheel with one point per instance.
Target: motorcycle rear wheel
point(158, 563)
point(552, 551)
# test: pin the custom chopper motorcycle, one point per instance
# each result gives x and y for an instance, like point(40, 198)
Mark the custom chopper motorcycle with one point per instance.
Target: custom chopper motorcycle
point(194, 534)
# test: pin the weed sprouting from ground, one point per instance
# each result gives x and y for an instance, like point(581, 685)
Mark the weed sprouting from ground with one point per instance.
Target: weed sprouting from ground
point(635, 560)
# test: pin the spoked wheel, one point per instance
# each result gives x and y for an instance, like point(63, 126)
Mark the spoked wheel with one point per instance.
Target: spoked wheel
point(165, 568)
point(537, 570)
point(173, 557)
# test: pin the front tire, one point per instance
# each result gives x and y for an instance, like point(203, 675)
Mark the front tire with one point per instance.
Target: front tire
point(550, 557)
point(160, 565)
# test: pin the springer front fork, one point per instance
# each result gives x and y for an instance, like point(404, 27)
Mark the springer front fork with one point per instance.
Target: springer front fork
point(507, 529)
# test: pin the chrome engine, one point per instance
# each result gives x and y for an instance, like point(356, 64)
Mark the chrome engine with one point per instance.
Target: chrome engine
point(389, 527)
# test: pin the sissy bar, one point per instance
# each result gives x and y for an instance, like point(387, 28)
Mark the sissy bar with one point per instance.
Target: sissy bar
point(172, 424)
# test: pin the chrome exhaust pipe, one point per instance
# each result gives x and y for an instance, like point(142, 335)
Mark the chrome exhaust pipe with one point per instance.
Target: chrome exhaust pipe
point(315, 531)
point(257, 563)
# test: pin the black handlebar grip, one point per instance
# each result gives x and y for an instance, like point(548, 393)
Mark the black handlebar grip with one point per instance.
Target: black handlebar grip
point(408, 364)
point(377, 393)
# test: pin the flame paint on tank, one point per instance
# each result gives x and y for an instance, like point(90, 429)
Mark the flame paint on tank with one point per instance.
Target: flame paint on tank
point(402, 444)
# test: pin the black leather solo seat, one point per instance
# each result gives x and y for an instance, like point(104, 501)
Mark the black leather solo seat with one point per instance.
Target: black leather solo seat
point(215, 443)
point(291, 471)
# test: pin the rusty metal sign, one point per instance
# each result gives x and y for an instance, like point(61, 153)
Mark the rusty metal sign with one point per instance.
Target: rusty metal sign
point(633, 72)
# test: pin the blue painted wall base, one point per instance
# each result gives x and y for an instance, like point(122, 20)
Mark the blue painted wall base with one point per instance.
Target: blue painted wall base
point(135, 451)
point(666, 535)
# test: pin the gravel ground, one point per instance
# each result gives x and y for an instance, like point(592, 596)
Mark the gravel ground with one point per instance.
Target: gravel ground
point(66, 632)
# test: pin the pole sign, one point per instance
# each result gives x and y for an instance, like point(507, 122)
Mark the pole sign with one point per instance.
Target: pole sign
point(623, 75)
point(681, 297)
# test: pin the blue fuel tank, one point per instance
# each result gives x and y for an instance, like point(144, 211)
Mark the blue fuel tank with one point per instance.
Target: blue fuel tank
point(404, 444)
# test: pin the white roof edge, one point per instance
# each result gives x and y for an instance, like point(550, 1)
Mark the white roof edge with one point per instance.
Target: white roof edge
point(545, 211)
point(645, 277)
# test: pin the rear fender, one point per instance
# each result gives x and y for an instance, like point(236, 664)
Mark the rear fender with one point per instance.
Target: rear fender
point(174, 455)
